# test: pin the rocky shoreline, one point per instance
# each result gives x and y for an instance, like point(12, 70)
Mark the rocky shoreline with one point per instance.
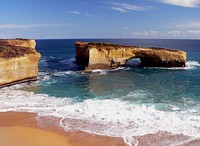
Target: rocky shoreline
point(19, 58)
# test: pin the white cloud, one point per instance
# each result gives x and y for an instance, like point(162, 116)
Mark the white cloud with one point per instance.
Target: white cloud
point(74, 12)
point(118, 9)
point(194, 32)
point(124, 7)
point(19, 26)
point(79, 13)
point(148, 33)
point(86, 14)
point(176, 34)
point(189, 25)
point(183, 3)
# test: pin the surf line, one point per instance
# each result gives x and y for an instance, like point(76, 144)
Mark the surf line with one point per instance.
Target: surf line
point(129, 139)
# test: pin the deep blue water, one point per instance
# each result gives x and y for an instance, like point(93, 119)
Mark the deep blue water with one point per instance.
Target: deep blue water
point(130, 99)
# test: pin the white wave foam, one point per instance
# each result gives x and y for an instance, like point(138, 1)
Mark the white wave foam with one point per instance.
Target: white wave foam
point(105, 71)
point(52, 57)
point(63, 73)
point(189, 65)
point(43, 76)
point(192, 64)
point(17, 100)
point(68, 61)
point(100, 71)
point(106, 117)
point(42, 60)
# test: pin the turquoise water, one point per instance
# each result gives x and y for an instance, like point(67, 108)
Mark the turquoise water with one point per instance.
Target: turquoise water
point(126, 101)
point(161, 85)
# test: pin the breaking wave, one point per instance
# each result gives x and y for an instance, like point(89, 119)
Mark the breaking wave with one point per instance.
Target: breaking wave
point(189, 65)
point(105, 71)
point(192, 65)
point(105, 117)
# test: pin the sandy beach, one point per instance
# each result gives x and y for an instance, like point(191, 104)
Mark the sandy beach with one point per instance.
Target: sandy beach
point(22, 129)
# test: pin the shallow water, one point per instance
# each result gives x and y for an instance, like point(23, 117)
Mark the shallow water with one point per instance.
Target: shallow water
point(122, 103)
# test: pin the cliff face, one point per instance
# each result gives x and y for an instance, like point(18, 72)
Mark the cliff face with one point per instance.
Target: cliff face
point(18, 61)
point(104, 55)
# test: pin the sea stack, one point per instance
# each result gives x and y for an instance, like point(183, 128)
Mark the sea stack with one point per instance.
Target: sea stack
point(107, 56)
point(18, 61)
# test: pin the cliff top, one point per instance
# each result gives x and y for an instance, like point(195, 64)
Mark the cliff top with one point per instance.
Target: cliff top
point(109, 46)
point(10, 48)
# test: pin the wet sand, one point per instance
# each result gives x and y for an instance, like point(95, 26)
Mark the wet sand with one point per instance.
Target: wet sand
point(22, 129)
point(25, 129)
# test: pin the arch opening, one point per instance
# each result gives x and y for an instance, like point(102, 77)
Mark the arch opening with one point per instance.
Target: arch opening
point(133, 62)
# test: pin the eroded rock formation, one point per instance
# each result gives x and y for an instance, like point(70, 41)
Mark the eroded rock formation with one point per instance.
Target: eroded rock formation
point(18, 61)
point(105, 56)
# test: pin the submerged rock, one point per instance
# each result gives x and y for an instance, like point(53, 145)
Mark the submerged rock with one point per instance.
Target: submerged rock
point(18, 61)
point(106, 56)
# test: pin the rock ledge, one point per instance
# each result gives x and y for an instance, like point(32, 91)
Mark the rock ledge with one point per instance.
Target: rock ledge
point(106, 56)
point(18, 61)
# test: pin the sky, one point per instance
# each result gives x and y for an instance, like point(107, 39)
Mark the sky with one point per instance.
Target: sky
point(65, 19)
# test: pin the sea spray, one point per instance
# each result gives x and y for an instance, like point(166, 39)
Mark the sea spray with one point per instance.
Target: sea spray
point(192, 64)
point(188, 66)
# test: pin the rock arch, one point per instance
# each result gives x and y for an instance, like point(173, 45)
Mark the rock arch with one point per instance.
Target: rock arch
point(133, 62)
point(100, 55)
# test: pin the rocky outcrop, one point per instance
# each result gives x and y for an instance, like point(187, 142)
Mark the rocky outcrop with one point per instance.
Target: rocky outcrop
point(105, 56)
point(18, 61)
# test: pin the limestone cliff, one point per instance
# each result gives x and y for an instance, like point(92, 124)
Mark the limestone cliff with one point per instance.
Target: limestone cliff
point(105, 55)
point(18, 61)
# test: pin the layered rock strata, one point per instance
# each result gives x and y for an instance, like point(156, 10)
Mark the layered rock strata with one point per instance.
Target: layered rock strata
point(105, 56)
point(18, 61)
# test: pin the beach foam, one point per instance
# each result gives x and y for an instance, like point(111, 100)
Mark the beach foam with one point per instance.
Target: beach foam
point(104, 117)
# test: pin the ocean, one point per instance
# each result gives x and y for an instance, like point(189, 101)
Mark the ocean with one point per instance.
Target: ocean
point(125, 102)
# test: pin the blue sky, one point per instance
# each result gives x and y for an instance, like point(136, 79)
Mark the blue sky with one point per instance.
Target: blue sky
point(46, 19)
